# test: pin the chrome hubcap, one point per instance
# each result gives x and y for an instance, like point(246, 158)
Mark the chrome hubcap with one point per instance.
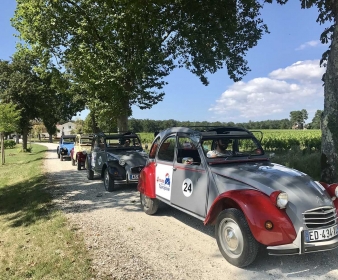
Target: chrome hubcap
point(231, 238)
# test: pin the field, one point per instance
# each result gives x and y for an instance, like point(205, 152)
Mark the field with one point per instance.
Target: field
point(275, 140)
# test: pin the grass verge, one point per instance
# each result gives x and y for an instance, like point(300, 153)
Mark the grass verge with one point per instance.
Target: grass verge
point(36, 242)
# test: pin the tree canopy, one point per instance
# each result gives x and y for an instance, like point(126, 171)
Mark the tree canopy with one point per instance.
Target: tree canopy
point(121, 51)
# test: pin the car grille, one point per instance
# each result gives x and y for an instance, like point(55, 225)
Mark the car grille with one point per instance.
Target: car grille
point(137, 169)
point(320, 217)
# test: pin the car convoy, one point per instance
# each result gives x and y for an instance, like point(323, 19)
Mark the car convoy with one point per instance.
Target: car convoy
point(223, 177)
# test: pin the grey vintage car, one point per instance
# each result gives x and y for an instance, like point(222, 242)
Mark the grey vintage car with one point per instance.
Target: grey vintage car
point(117, 158)
point(223, 177)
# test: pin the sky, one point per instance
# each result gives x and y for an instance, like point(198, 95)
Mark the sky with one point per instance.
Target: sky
point(285, 74)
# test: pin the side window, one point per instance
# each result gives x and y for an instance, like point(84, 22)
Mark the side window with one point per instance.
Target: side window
point(167, 149)
point(187, 152)
point(154, 147)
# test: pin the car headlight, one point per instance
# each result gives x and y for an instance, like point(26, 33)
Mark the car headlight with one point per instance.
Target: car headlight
point(122, 162)
point(336, 191)
point(282, 200)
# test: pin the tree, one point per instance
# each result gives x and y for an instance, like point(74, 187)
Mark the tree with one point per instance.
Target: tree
point(20, 84)
point(298, 117)
point(9, 121)
point(315, 124)
point(121, 51)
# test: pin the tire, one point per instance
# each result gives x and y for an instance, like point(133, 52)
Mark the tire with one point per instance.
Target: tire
point(78, 165)
point(149, 205)
point(234, 238)
point(108, 181)
point(90, 173)
point(73, 161)
point(61, 157)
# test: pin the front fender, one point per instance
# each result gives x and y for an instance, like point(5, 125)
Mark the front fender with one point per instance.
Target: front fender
point(146, 182)
point(257, 208)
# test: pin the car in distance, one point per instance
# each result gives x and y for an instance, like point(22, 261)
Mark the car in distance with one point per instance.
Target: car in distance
point(118, 158)
point(252, 201)
point(82, 146)
point(66, 144)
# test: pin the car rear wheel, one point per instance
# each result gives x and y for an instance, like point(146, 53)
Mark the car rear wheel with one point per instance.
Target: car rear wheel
point(78, 165)
point(234, 238)
point(73, 161)
point(108, 181)
point(149, 205)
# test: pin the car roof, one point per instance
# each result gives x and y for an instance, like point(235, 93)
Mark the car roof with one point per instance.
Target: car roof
point(117, 135)
point(207, 131)
point(69, 136)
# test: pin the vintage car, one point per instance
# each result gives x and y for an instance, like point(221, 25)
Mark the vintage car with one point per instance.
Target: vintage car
point(118, 158)
point(252, 201)
point(66, 144)
point(82, 145)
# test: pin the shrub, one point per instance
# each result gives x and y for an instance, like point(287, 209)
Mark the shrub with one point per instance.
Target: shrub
point(9, 144)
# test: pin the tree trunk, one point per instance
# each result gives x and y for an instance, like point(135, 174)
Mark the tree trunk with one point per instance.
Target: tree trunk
point(329, 159)
point(95, 128)
point(24, 139)
point(50, 138)
point(2, 138)
point(122, 118)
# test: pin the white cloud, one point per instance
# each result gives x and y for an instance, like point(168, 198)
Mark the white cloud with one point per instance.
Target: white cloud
point(309, 44)
point(303, 71)
point(266, 97)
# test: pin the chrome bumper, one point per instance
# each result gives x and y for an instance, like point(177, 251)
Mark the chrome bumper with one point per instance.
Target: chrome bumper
point(299, 246)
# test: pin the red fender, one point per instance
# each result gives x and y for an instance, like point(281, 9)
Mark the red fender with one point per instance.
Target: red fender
point(330, 188)
point(257, 208)
point(146, 182)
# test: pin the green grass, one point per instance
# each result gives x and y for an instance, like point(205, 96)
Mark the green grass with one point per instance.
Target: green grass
point(306, 161)
point(36, 241)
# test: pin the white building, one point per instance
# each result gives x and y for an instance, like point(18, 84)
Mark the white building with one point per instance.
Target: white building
point(65, 129)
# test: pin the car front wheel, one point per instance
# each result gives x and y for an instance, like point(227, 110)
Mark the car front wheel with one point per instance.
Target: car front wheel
point(149, 205)
point(234, 238)
point(108, 181)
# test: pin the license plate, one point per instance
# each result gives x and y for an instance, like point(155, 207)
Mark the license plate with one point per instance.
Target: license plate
point(321, 234)
point(133, 176)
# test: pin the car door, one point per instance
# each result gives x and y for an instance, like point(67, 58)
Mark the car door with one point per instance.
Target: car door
point(190, 180)
point(164, 167)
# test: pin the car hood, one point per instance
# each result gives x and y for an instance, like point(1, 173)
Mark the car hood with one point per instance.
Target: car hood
point(67, 146)
point(303, 192)
point(131, 158)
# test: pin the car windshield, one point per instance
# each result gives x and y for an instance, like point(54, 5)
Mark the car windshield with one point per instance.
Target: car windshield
point(230, 147)
point(125, 142)
point(68, 140)
point(85, 141)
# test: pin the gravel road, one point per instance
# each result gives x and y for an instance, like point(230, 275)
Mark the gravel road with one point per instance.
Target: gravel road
point(125, 243)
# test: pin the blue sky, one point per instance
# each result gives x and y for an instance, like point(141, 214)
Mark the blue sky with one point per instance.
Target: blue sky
point(285, 74)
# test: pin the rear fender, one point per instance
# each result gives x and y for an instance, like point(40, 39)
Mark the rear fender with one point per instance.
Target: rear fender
point(146, 182)
point(258, 208)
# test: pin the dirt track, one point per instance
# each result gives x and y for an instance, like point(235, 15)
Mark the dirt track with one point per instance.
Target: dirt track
point(125, 243)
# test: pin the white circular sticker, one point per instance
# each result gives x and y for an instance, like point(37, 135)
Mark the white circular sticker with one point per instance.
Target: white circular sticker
point(187, 187)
